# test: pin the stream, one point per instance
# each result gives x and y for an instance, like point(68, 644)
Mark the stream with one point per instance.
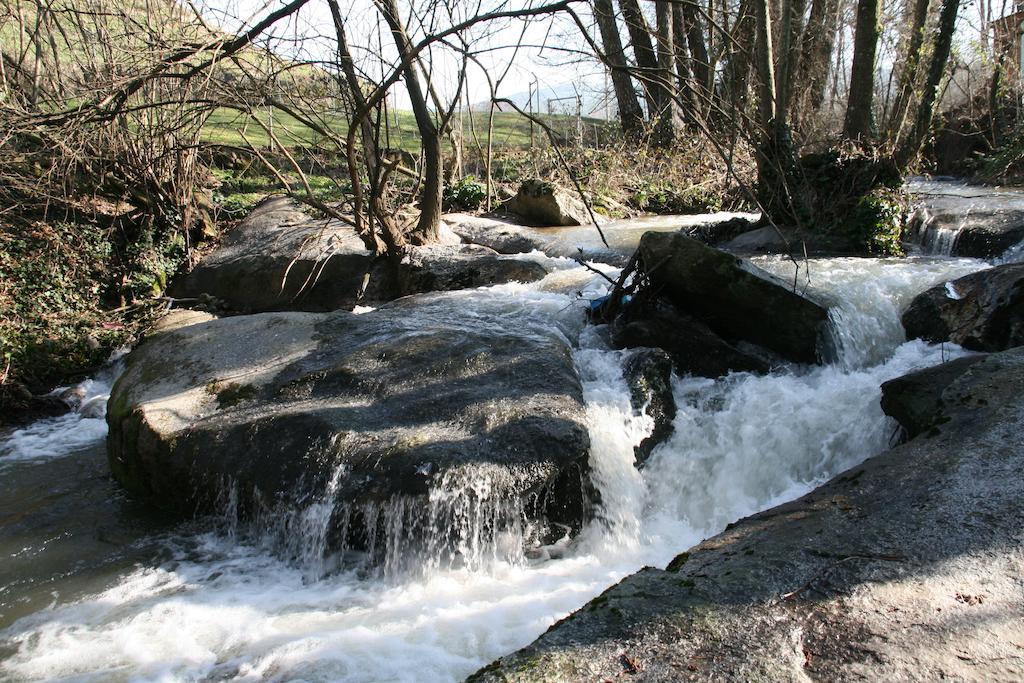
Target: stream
point(94, 587)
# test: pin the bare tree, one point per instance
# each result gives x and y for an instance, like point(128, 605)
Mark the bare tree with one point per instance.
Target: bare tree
point(698, 50)
point(427, 226)
point(666, 116)
point(738, 57)
point(859, 112)
point(910, 67)
point(911, 146)
point(815, 60)
point(643, 51)
point(690, 101)
point(630, 114)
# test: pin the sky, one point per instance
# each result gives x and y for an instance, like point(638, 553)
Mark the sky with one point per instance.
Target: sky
point(548, 60)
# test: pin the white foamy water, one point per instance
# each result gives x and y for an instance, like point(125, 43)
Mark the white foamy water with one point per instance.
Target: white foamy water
point(227, 608)
point(63, 435)
point(869, 296)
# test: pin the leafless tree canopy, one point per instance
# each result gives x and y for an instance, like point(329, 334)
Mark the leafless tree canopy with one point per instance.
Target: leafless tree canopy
point(109, 100)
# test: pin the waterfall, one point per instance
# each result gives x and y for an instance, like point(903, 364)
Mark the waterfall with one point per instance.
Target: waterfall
point(274, 602)
point(932, 237)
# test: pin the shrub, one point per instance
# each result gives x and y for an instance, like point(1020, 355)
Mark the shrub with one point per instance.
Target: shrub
point(465, 195)
point(662, 199)
point(68, 297)
point(876, 223)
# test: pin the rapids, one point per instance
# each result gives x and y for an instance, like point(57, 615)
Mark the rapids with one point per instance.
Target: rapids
point(93, 588)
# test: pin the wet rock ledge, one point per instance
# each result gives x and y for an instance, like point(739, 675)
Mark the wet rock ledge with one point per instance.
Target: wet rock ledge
point(907, 567)
point(371, 413)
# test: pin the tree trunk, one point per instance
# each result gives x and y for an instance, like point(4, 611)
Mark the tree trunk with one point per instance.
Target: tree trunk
point(764, 57)
point(995, 102)
point(428, 226)
point(782, 67)
point(858, 123)
point(776, 162)
point(937, 67)
point(665, 121)
point(689, 102)
point(735, 73)
point(768, 176)
point(371, 155)
point(698, 51)
point(791, 31)
point(815, 58)
point(643, 51)
point(908, 75)
point(631, 117)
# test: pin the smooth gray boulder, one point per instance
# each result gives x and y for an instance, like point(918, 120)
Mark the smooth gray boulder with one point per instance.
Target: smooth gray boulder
point(500, 234)
point(280, 258)
point(765, 240)
point(918, 402)
point(769, 240)
point(409, 410)
point(542, 203)
point(983, 311)
point(442, 268)
point(734, 298)
point(906, 567)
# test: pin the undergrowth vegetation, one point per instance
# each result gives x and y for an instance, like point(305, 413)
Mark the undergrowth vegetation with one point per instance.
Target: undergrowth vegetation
point(66, 304)
point(1005, 163)
point(877, 222)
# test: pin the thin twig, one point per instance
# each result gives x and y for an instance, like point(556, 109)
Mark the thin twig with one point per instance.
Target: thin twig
point(828, 569)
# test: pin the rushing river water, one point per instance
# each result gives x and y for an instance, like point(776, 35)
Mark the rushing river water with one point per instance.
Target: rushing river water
point(94, 587)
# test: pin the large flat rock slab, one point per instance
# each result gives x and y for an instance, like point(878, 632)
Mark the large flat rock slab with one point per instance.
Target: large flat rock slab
point(906, 567)
point(410, 415)
point(282, 259)
point(952, 217)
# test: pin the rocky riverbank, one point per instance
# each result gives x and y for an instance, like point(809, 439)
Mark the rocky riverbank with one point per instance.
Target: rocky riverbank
point(376, 412)
point(453, 429)
point(288, 575)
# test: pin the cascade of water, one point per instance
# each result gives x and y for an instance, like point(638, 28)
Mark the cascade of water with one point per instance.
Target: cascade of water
point(472, 518)
point(82, 426)
point(740, 444)
point(938, 239)
point(869, 295)
point(615, 429)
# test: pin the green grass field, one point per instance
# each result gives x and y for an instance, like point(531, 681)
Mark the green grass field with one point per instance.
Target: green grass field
point(227, 126)
point(230, 127)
